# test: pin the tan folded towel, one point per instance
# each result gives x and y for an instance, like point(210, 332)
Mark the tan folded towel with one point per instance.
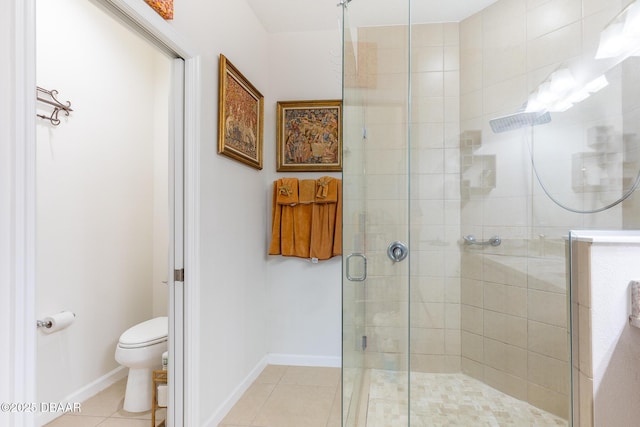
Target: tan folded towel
point(302, 230)
point(287, 191)
point(276, 214)
point(307, 190)
point(307, 230)
point(337, 233)
point(326, 190)
point(326, 227)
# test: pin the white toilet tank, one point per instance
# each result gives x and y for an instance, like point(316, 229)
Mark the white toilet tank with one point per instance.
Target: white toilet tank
point(144, 334)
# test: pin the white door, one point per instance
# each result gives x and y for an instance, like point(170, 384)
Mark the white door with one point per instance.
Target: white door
point(176, 282)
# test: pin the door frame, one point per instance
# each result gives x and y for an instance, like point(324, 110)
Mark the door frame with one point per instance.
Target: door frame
point(23, 244)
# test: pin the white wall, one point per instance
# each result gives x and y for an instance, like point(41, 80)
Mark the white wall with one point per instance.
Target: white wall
point(6, 203)
point(304, 317)
point(233, 336)
point(615, 344)
point(234, 333)
point(252, 304)
point(160, 147)
point(95, 190)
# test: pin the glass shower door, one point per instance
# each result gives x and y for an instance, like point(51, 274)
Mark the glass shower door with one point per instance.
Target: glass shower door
point(376, 195)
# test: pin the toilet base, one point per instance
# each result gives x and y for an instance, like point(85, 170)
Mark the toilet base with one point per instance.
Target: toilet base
point(137, 397)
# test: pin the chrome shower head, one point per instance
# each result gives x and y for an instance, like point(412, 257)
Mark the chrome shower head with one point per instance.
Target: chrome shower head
point(519, 119)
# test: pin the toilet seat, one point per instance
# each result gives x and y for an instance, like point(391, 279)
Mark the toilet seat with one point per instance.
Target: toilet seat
point(145, 334)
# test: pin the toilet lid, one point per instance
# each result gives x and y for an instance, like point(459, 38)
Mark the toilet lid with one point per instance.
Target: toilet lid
point(146, 333)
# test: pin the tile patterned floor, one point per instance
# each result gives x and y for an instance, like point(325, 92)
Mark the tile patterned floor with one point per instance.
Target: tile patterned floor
point(447, 400)
point(105, 410)
point(294, 396)
point(310, 397)
point(289, 396)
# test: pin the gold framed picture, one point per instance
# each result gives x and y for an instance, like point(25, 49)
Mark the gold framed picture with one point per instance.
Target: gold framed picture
point(309, 136)
point(240, 116)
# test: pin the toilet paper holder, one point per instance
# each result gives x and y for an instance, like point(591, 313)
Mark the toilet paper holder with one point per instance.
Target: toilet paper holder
point(56, 321)
point(44, 323)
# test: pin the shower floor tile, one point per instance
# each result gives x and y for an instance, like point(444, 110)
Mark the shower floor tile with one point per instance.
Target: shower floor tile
point(447, 400)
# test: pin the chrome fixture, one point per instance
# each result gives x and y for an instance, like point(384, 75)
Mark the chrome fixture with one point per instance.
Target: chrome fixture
point(397, 251)
point(44, 324)
point(470, 239)
point(362, 277)
point(49, 97)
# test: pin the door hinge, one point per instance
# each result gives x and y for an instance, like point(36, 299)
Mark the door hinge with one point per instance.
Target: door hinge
point(364, 342)
point(178, 275)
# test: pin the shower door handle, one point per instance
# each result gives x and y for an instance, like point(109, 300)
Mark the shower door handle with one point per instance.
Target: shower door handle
point(363, 276)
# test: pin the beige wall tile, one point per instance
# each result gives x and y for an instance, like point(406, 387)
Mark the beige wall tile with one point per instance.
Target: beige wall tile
point(505, 357)
point(452, 342)
point(549, 373)
point(427, 341)
point(584, 341)
point(428, 58)
point(470, 104)
point(472, 368)
point(506, 328)
point(452, 315)
point(472, 319)
point(505, 97)
point(548, 340)
point(505, 299)
point(506, 383)
point(451, 33)
point(472, 346)
point(427, 35)
point(551, 16)
point(547, 307)
point(549, 400)
point(427, 84)
point(471, 292)
point(555, 47)
point(428, 315)
point(586, 401)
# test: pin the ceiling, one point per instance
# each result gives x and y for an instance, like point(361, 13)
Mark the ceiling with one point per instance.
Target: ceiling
point(315, 15)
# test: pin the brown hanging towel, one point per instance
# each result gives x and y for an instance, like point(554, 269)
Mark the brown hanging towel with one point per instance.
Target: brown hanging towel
point(326, 228)
point(285, 197)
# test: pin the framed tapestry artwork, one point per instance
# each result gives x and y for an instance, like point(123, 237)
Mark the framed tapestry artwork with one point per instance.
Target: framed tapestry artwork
point(164, 8)
point(240, 116)
point(309, 136)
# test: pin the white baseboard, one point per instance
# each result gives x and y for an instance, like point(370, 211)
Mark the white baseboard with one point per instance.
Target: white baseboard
point(237, 393)
point(304, 360)
point(269, 359)
point(85, 393)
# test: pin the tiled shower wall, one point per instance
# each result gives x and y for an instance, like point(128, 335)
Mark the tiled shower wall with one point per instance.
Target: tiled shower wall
point(498, 314)
point(514, 304)
point(411, 196)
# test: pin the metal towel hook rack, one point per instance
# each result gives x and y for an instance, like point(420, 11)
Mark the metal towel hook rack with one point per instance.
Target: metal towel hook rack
point(50, 97)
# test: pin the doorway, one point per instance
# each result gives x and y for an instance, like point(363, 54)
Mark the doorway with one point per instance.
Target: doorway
point(102, 196)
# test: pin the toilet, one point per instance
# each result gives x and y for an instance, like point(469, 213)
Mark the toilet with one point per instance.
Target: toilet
point(140, 349)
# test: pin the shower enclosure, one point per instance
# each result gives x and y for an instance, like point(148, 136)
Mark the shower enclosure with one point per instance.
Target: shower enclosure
point(476, 135)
